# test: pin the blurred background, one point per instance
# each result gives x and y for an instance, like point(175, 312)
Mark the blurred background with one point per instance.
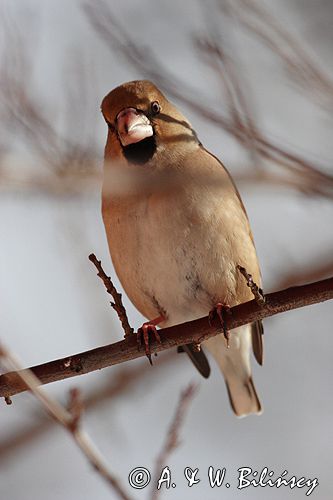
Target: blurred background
point(256, 81)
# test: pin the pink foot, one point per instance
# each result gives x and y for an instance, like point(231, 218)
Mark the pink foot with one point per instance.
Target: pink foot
point(144, 336)
point(221, 311)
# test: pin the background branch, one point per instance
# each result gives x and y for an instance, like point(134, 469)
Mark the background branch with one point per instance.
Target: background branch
point(66, 419)
point(172, 438)
point(116, 385)
point(245, 132)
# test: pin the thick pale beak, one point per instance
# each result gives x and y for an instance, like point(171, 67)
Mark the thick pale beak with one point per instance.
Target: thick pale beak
point(133, 126)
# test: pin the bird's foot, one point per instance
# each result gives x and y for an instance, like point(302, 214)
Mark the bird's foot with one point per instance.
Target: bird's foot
point(221, 311)
point(144, 337)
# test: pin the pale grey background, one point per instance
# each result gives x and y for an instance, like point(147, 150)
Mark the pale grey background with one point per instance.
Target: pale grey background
point(53, 305)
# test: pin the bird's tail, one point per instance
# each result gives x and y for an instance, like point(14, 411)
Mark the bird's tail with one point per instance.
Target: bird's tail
point(235, 366)
point(243, 396)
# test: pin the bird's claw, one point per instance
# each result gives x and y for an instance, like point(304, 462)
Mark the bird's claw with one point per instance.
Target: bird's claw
point(143, 337)
point(221, 311)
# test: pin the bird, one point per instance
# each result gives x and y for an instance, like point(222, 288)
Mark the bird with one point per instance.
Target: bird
point(177, 230)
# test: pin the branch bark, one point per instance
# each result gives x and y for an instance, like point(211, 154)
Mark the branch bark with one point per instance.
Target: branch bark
point(196, 332)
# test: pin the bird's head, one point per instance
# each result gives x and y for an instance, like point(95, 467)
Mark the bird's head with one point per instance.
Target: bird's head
point(143, 124)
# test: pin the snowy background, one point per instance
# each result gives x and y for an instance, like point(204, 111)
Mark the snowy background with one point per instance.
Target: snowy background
point(53, 305)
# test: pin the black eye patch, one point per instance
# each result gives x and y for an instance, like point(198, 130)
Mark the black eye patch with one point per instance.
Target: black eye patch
point(140, 152)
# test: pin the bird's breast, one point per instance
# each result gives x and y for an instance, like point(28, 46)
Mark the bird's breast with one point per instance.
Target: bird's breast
point(175, 254)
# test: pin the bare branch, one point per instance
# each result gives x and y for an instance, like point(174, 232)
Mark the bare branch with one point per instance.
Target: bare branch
point(65, 157)
point(192, 332)
point(298, 63)
point(224, 66)
point(111, 289)
point(172, 439)
point(65, 419)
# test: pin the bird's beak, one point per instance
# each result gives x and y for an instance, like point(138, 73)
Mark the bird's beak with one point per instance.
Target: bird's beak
point(133, 126)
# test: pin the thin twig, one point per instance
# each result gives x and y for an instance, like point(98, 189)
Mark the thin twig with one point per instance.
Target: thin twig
point(111, 289)
point(196, 331)
point(256, 291)
point(225, 69)
point(300, 65)
point(172, 438)
point(65, 419)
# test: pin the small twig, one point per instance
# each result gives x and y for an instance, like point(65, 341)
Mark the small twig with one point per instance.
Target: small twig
point(111, 289)
point(196, 331)
point(256, 291)
point(172, 438)
point(64, 418)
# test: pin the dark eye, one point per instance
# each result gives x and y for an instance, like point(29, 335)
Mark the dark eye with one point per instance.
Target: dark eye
point(155, 108)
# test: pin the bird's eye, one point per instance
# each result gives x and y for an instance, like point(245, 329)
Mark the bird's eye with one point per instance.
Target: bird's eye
point(155, 108)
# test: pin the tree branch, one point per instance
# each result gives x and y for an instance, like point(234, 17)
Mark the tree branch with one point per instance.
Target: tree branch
point(69, 420)
point(192, 332)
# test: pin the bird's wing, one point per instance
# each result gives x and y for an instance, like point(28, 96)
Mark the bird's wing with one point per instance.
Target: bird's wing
point(198, 358)
point(257, 331)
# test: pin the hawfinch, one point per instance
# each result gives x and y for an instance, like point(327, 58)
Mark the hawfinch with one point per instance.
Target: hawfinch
point(177, 229)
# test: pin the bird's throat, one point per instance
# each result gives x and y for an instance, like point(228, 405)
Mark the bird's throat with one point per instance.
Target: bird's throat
point(140, 152)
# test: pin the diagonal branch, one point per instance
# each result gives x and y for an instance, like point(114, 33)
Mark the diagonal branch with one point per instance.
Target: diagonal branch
point(113, 387)
point(172, 438)
point(192, 332)
point(67, 419)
